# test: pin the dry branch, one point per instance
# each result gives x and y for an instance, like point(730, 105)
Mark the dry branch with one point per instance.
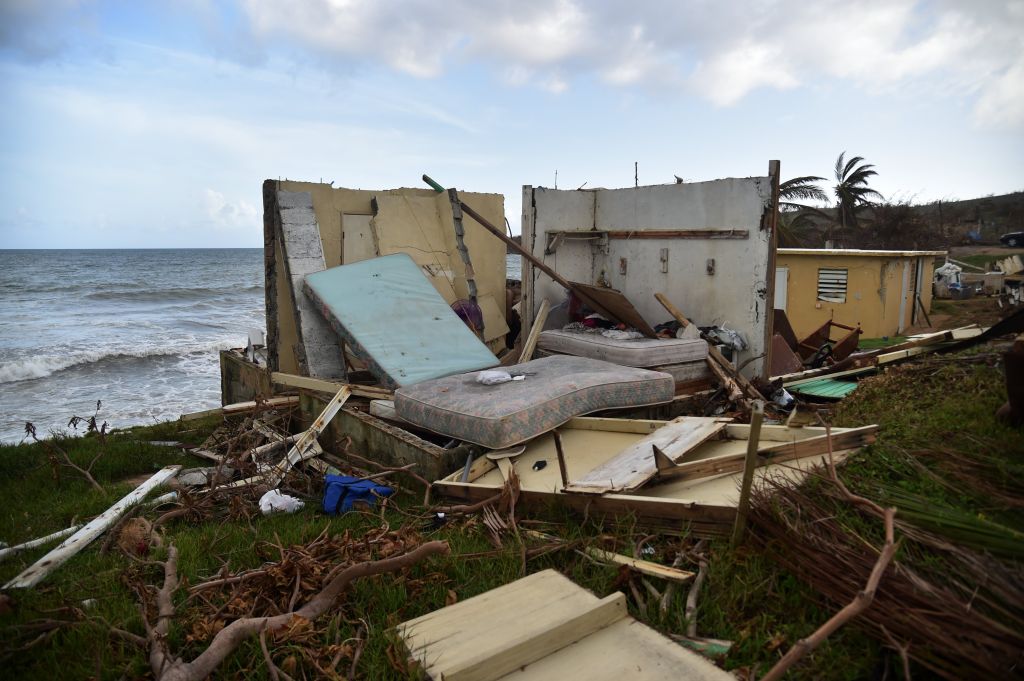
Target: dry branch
point(166, 667)
point(863, 599)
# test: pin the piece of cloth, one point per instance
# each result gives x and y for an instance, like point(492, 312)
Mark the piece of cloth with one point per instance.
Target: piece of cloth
point(275, 502)
point(342, 492)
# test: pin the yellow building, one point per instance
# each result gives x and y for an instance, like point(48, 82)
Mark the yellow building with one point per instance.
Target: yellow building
point(881, 291)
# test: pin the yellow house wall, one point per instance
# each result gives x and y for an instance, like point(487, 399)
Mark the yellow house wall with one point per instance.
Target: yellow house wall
point(873, 292)
point(486, 251)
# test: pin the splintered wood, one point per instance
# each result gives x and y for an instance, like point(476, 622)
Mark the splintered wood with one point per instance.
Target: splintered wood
point(544, 626)
point(636, 465)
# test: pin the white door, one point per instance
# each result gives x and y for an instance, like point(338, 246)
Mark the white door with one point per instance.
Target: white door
point(781, 287)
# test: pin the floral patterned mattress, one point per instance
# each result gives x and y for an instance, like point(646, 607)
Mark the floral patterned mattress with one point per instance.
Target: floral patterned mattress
point(555, 389)
point(638, 352)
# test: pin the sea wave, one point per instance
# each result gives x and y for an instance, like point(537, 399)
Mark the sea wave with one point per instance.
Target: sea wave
point(41, 366)
point(169, 295)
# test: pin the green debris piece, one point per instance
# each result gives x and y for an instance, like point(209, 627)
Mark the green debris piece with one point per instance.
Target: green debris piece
point(828, 388)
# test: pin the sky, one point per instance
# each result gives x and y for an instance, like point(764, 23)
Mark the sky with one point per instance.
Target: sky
point(146, 124)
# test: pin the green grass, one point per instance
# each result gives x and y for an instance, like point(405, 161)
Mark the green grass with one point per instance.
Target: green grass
point(746, 599)
point(986, 261)
point(875, 343)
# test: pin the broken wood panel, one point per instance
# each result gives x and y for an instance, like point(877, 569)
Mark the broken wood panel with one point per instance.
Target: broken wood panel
point(490, 635)
point(635, 465)
point(305, 448)
point(773, 454)
point(38, 571)
point(614, 303)
point(242, 407)
point(318, 348)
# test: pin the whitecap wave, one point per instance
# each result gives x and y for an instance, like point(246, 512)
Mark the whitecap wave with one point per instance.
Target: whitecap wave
point(41, 366)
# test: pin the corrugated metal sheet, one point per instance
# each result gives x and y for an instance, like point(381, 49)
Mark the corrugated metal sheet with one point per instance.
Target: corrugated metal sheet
point(828, 388)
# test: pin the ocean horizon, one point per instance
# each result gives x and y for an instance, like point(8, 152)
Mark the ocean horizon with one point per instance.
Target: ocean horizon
point(137, 329)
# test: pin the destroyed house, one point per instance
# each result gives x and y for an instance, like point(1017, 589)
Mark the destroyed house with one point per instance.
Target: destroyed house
point(637, 304)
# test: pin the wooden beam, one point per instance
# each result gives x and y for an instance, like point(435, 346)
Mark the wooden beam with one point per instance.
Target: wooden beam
point(749, 464)
point(766, 456)
point(18, 548)
point(242, 407)
point(633, 466)
point(332, 387)
point(680, 234)
point(38, 571)
point(642, 566)
point(538, 325)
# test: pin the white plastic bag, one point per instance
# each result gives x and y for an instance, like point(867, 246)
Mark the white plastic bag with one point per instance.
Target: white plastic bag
point(493, 377)
point(275, 502)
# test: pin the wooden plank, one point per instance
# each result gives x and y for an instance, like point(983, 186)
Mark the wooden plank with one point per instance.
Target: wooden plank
point(538, 325)
point(679, 234)
point(31, 544)
point(643, 426)
point(242, 407)
point(773, 454)
point(499, 631)
point(36, 572)
point(642, 566)
point(305, 448)
point(634, 466)
point(320, 385)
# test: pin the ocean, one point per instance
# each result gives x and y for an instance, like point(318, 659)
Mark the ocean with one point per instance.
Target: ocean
point(138, 330)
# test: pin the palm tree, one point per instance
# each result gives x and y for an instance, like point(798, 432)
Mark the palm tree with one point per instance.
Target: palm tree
point(797, 217)
point(802, 188)
point(851, 191)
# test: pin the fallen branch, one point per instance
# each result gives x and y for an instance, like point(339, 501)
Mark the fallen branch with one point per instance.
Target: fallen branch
point(863, 599)
point(691, 598)
point(18, 548)
point(166, 667)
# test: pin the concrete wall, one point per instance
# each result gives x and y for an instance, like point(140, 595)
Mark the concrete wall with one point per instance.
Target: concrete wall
point(737, 294)
point(874, 291)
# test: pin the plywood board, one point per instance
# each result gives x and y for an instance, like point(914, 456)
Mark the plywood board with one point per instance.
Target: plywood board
point(635, 465)
point(498, 631)
point(358, 242)
point(522, 629)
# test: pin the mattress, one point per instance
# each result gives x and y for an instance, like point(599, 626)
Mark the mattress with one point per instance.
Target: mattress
point(639, 352)
point(555, 390)
point(392, 318)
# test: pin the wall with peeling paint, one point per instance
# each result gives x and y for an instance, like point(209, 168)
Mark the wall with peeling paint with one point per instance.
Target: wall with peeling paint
point(733, 291)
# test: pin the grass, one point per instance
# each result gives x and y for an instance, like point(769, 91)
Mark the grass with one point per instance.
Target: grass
point(746, 599)
point(986, 260)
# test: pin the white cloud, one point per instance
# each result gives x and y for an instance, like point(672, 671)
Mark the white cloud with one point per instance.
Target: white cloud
point(229, 214)
point(722, 51)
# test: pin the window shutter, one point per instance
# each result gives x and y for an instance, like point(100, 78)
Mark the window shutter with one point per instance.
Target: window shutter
point(832, 284)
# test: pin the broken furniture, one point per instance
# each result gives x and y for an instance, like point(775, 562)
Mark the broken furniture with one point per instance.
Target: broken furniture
point(555, 390)
point(395, 321)
point(819, 346)
point(544, 626)
point(694, 488)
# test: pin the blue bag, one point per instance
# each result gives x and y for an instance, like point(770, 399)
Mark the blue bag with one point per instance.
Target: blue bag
point(341, 492)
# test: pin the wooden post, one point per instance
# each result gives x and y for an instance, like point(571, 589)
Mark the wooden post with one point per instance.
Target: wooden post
point(538, 325)
point(562, 470)
point(36, 572)
point(756, 417)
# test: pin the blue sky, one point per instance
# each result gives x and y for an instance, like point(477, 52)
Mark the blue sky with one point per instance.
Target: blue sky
point(143, 124)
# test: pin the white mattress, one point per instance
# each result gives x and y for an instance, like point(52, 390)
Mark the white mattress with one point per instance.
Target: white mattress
point(639, 352)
